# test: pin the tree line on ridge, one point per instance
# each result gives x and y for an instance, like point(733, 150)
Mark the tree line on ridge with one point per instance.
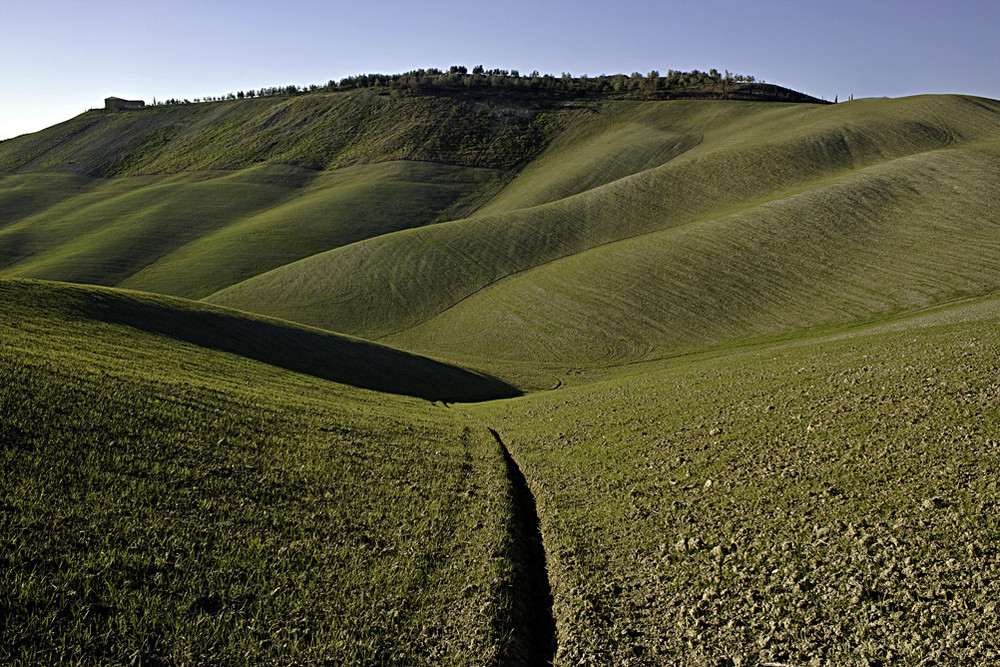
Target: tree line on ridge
point(459, 78)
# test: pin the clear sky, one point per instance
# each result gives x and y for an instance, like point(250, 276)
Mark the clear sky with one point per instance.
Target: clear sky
point(59, 58)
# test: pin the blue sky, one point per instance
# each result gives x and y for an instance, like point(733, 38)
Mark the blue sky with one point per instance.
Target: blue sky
point(59, 58)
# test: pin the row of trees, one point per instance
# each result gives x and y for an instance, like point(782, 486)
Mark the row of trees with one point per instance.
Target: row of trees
point(458, 77)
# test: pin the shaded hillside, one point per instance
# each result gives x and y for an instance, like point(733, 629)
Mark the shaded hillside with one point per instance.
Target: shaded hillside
point(318, 353)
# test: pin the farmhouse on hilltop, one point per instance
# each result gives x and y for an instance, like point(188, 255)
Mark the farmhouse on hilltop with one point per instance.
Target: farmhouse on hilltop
point(118, 104)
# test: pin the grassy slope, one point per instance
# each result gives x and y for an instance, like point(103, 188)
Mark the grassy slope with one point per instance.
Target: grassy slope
point(165, 502)
point(206, 195)
point(826, 500)
point(318, 131)
point(899, 235)
point(24, 195)
point(192, 234)
point(297, 348)
point(765, 182)
point(850, 514)
point(615, 141)
point(117, 227)
point(337, 208)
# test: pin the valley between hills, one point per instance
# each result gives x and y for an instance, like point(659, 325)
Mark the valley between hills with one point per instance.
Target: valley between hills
point(378, 376)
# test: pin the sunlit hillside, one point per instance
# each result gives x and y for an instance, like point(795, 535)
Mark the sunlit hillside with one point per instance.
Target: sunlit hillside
point(728, 220)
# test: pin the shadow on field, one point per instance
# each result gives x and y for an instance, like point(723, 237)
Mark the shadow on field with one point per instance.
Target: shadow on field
point(534, 628)
point(312, 351)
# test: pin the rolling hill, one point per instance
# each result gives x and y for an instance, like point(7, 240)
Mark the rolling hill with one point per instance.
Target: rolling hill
point(755, 219)
point(154, 192)
point(334, 357)
point(625, 231)
point(483, 377)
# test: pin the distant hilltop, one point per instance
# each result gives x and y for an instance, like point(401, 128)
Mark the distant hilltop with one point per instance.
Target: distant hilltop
point(458, 80)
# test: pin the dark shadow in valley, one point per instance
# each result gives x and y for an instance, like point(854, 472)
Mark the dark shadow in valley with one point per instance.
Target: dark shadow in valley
point(326, 355)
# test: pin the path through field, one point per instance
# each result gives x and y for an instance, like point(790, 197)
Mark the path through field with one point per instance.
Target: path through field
point(534, 640)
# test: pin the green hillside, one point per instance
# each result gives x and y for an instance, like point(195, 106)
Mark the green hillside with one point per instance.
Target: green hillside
point(193, 234)
point(828, 255)
point(169, 498)
point(776, 217)
point(190, 199)
point(320, 131)
point(293, 347)
point(24, 195)
point(337, 208)
point(114, 228)
point(826, 497)
point(415, 374)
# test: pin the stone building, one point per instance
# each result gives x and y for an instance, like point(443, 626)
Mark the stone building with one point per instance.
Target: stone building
point(118, 104)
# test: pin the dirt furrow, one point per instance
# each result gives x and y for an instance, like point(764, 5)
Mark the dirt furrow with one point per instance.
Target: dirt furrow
point(534, 628)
